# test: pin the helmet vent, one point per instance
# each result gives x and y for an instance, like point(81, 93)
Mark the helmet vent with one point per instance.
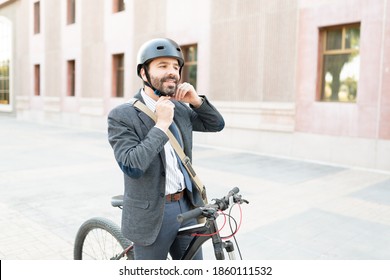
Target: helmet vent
point(160, 47)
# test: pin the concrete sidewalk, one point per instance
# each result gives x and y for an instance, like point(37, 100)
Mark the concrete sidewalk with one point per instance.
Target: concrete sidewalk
point(54, 178)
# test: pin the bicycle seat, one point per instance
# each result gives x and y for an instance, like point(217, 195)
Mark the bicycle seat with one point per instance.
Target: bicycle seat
point(117, 201)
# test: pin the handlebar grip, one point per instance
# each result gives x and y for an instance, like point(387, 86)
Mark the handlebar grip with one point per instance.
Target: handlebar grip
point(189, 215)
point(234, 191)
point(221, 204)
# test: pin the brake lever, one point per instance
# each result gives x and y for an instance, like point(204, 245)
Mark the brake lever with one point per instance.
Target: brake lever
point(238, 199)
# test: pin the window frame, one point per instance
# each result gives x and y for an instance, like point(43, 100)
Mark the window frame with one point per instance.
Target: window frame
point(5, 82)
point(323, 52)
point(71, 78)
point(37, 80)
point(118, 6)
point(118, 75)
point(185, 75)
point(70, 12)
point(37, 17)
point(6, 65)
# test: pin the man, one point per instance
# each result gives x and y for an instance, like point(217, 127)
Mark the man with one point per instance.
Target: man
point(156, 188)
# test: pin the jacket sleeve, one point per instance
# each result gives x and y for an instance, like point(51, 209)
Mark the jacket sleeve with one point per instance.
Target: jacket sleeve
point(206, 118)
point(134, 149)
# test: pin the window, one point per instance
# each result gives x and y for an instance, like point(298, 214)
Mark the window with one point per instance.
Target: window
point(118, 75)
point(37, 18)
point(339, 63)
point(71, 86)
point(37, 80)
point(4, 82)
point(118, 6)
point(189, 73)
point(71, 12)
point(5, 61)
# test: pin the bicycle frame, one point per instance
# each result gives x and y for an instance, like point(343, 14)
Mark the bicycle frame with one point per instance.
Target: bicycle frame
point(202, 233)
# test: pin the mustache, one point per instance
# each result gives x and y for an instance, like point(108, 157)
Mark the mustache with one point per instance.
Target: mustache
point(175, 79)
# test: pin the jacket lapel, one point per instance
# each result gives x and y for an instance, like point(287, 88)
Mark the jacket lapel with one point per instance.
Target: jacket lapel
point(148, 122)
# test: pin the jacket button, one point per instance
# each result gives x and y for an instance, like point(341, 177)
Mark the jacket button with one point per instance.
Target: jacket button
point(162, 195)
point(163, 173)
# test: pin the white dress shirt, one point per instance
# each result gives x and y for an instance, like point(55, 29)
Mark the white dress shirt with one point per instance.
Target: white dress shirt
point(174, 176)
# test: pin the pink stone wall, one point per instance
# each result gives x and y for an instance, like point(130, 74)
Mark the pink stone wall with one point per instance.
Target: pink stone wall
point(369, 116)
point(384, 121)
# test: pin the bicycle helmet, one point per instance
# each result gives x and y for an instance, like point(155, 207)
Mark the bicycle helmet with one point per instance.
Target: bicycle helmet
point(160, 47)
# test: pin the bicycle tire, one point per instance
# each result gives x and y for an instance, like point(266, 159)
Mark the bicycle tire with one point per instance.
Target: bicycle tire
point(101, 239)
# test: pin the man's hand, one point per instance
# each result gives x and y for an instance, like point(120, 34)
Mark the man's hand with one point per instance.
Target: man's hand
point(185, 92)
point(164, 113)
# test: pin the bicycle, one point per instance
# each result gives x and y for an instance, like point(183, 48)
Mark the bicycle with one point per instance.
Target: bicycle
point(100, 238)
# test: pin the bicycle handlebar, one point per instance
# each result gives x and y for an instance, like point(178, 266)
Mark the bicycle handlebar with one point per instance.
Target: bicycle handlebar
point(189, 215)
point(220, 204)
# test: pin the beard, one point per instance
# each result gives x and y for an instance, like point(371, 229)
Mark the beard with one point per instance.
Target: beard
point(167, 90)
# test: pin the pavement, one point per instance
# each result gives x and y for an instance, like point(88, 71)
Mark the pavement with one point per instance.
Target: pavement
point(53, 178)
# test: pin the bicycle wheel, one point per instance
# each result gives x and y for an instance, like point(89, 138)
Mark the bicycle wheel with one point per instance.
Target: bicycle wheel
point(101, 239)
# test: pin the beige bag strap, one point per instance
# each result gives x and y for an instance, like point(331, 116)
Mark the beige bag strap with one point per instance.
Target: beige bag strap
point(176, 146)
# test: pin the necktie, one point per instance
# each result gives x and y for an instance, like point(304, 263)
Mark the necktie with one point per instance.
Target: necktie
point(175, 131)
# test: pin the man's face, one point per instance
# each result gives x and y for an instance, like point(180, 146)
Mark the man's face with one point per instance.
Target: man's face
point(164, 74)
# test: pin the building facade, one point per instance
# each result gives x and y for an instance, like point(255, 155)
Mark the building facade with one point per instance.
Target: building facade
point(294, 78)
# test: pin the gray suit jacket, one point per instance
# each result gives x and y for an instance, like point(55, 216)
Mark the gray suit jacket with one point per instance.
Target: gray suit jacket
point(139, 150)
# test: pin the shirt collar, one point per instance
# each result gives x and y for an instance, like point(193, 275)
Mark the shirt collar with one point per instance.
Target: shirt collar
point(150, 102)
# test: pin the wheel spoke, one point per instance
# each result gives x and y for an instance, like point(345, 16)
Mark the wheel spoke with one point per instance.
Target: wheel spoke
point(100, 239)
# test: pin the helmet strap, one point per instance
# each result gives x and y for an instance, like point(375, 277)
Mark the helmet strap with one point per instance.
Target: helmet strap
point(148, 83)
